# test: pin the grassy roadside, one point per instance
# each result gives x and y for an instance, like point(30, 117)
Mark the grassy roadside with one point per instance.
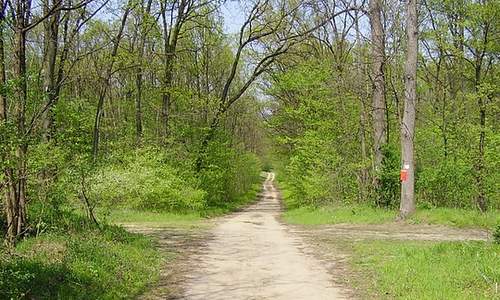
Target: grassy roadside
point(78, 261)
point(392, 269)
point(359, 214)
point(72, 258)
point(178, 219)
point(365, 214)
point(424, 270)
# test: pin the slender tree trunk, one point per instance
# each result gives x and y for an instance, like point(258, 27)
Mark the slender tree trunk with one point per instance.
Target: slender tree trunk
point(51, 35)
point(3, 77)
point(481, 195)
point(105, 85)
point(360, 72)
point(8, 184)
point(16, 193)
point(378, 89)
point(170, 38)
point(139, 77)
point(407, 206)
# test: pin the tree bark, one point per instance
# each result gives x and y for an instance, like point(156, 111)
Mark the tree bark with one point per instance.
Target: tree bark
point(3, 77)
point(16, 178)
point(407, 206)
point(378, 88)
point(8, 187)
point(51, 35)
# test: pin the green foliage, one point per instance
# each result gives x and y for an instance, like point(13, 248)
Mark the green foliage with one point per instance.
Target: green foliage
point(227, 174)
point(496, 234)
point(420, 270)
point(318, 167)
point(310, 168)
point(144, 180)
point(447, 183)
point(368, 214)
point(387, 194)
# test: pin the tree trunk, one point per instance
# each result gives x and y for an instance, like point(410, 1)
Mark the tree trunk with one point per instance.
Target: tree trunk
point(51, 34)
point(170, 38)
point(139, 76)
point(3, 77)
point(105, 85)
point(360, 73)
point(16, 191)
point(481, 195)
point(378, 88)
point(407, 206)
point(8, 187)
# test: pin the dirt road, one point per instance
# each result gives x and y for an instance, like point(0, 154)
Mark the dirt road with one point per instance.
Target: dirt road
point(253, 256)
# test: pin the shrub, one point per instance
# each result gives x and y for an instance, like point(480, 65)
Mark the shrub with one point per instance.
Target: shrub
point(145, 181)
point(227, 173)
point(387, 194)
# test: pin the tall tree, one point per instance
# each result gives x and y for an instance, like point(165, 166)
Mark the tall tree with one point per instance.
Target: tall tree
point(407, 205)
point(378, 85)
point(143, 31)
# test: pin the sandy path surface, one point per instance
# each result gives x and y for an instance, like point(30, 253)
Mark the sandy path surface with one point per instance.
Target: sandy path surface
point(253, 256)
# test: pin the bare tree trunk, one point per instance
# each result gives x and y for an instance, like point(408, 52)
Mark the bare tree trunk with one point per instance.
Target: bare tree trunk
point(378, 89)
point(407, 206)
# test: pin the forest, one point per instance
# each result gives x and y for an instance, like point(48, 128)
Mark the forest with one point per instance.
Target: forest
point(128, 127)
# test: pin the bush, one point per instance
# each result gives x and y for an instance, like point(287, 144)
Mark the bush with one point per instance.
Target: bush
point(145, 181)
point(387, 194)
point(447, 184)
point(227, 173)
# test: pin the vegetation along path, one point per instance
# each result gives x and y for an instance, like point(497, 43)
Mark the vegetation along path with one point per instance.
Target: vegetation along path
point(253, 256)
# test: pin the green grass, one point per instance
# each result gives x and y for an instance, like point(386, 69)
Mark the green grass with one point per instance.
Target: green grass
point(155, 219)
point(79, 264)
point(457, 217)
point(331, 215)
point(369, 215)
point(366, 214)
point(427, 270)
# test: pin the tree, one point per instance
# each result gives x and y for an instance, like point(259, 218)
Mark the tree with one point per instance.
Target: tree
point(106, 80)
point(378, 86)
point(407, 206)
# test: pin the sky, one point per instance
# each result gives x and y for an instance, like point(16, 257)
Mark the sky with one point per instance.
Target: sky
point(234, 16)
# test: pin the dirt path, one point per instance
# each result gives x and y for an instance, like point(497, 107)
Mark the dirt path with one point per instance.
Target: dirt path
point(253, 256)
point(395, 231)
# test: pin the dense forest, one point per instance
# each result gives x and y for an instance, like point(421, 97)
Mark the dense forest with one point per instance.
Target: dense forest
point(159, 106)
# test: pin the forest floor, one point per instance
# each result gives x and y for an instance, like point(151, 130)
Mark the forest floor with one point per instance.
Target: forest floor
point(252, 254)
